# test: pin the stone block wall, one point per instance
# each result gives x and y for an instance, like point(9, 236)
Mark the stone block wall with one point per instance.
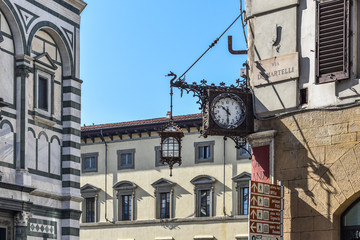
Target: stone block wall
point(317, 159)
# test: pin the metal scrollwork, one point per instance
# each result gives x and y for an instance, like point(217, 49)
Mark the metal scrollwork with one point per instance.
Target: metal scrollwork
point(201, 90)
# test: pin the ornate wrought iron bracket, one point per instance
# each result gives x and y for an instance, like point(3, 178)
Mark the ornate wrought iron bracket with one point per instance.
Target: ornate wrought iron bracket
point(240, 143)
point(201, 90)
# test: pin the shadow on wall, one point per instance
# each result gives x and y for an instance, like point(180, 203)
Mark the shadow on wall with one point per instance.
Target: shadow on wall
point(318, 167)
point(141, 193)
point(179, 191)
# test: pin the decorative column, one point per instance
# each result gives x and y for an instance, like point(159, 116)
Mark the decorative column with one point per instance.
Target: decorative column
point(133, 206)
point(23, 70)
point(157, 202)
point(212, 201)
point(171, 203)
point(21, 220)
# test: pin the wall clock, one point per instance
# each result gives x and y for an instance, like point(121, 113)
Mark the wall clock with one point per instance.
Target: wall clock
point(228, 113)
point(228, 110)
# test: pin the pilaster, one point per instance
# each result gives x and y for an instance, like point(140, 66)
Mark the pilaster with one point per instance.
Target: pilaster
point(71, 154)
point(21, 220)
point(23, 70)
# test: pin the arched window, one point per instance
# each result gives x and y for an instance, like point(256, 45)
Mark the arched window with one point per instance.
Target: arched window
point(126, 200)
point(350, 222)
point(204, 195)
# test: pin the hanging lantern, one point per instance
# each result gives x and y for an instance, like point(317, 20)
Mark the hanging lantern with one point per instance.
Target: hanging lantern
point(170, 148)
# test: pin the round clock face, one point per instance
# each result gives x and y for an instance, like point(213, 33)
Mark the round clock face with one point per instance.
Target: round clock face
point(228, 110)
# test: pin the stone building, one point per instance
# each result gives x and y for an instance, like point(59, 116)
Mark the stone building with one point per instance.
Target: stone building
point(40, 119)
point(304, 71)
point(128, 193)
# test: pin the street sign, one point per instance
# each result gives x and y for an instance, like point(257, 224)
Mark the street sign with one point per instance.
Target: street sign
point(259, 200)
point(265, 228)
point(265, 215)
point(266, 189)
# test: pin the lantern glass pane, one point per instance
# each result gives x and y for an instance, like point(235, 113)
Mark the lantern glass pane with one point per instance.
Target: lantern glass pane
point(170, 147)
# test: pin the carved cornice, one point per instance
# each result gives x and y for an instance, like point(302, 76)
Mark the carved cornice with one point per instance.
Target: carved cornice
point(261, 138)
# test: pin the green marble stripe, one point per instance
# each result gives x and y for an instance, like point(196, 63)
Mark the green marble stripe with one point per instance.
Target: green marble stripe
point(71, 184)
point(8, 52)
point(7, 114)
point(70, 171)
point(22, 118)
point(71, 144)
point(56, 14)
point(66, 231)
point(8, 165)
point(68, 6)
point(55, 212)
point(70, 158)
point(72, 131)
point(71, 119)
point(7, 35)
point(72, 104)
point(71, 214)
point(73, 90)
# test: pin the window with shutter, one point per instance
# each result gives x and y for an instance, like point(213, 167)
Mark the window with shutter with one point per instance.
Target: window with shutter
point(333, 40)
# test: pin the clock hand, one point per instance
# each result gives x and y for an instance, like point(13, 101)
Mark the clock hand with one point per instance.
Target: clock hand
point(226, 110)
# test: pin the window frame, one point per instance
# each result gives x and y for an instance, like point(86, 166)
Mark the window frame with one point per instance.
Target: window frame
point(125, 188)
point(89, 191)
point(241, 181)
point(202, 183)
point(162, 186)
point(345, 72)
point(88, 155)
point(49, 77)
point(198, 145)
point(92, 218)
point(126, 151)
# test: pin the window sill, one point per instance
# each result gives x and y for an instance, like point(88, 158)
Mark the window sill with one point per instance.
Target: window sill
point(40, 116)
point(204, 161)
point(207, 237)
point(125, 168)
point(89, 171)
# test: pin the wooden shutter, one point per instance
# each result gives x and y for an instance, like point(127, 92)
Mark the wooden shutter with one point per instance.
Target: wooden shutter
point(333, 40)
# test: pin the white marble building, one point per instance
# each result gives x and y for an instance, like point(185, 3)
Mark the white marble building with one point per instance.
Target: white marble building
point(40, 122)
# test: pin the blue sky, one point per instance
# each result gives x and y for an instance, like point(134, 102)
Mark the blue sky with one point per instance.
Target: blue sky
point(128, 46)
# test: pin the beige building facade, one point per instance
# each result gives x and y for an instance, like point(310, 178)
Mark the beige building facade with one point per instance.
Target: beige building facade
point(304, 73)
point(129, 194)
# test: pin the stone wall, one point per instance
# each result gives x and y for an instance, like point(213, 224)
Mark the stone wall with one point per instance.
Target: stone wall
point(317, 159)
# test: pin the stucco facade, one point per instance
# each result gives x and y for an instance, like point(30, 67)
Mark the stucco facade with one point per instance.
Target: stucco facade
point(315, 123)
point(222, 172)
point(40, 125)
